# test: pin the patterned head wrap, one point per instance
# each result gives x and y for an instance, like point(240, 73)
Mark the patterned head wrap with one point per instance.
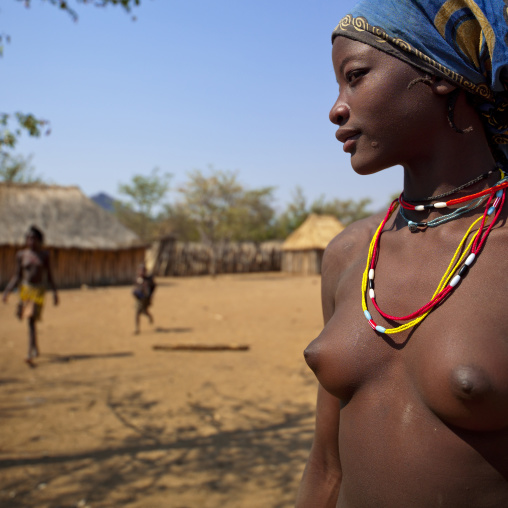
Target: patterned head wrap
point(462, 41)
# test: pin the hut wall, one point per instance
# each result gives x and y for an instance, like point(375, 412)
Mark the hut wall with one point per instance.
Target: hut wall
point(304, 262)
point(190, 258)
point(75, 267)
point(7, 264)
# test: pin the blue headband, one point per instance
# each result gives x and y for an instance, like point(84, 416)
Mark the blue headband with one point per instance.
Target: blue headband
point(464, 41)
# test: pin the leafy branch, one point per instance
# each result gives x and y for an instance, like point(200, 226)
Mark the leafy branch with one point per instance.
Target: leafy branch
point(64, 5)
point(23, 122)
point(27, 122)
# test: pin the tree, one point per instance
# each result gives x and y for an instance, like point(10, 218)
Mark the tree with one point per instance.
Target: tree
point(14, 124)
point(252, 216)
point(23, 122)
point(297, 210)
point(144, 194)
point(66, 5)
point(17, 169)
point(217, 208)
point(347, 211)
point(222, 209)
point(175, 220)
point(294, 215)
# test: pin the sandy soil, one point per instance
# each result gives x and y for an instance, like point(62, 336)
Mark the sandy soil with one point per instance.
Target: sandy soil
point(104, 420)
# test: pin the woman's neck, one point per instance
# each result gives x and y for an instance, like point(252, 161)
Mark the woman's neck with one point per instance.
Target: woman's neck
point(450, 166)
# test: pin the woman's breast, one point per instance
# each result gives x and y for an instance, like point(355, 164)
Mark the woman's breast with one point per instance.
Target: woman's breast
point(455, 363)
point(347, 354)
point(460, 371)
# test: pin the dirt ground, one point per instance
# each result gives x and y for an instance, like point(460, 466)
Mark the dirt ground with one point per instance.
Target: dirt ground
point(104, 420)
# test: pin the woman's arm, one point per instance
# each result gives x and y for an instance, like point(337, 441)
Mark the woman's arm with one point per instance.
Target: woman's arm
point(321, 478)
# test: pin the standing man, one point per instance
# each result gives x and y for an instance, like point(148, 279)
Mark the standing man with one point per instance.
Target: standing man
point(32, 268)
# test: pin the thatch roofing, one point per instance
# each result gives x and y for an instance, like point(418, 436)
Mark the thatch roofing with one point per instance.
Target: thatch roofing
point(316, 232)
point(66, 216)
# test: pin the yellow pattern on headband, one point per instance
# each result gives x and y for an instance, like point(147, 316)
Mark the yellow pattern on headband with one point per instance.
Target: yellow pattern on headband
point(469, 33)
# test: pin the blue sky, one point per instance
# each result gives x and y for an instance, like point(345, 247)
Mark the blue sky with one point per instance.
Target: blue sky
point(242, 85)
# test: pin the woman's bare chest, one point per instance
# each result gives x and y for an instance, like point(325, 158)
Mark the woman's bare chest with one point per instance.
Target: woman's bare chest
point(455, 361)
point(32, 264)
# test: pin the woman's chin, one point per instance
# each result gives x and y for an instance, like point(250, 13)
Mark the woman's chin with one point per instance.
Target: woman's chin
point(362, 166)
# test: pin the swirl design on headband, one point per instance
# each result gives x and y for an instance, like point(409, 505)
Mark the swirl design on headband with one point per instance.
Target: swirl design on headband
point(350, 25)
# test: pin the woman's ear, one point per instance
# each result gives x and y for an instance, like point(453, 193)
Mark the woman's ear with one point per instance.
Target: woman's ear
point(441, 86)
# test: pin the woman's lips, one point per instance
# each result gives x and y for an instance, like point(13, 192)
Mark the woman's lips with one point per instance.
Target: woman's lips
point(350, 143)
point(348, 136)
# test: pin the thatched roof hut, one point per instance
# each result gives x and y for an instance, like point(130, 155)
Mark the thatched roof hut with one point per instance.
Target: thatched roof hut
point(302, 252)
point(88, 245)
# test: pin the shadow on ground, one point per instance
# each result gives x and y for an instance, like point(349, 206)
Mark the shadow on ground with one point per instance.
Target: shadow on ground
point(54, 358)
point(159, 456)
point(173, 330)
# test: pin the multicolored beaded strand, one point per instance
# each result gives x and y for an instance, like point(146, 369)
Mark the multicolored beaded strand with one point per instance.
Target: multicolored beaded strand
point(422, 226)
point(447, 283)
point(463, 186)
point(502, 184)
point(369, 275)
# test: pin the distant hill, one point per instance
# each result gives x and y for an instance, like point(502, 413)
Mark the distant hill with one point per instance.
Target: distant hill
point(104, 200)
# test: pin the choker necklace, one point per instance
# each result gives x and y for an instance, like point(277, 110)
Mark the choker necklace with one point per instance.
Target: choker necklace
point(450, 279)
point(502, 184)
point(422, 226)
point(463, 186)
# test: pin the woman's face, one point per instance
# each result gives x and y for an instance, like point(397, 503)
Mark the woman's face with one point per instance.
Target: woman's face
point(32, 242)
point(381, 122)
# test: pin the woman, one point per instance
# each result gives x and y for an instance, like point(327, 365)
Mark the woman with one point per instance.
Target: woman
point(32, 268)
point(412, 363)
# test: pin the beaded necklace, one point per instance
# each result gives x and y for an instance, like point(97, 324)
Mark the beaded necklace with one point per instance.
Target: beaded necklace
point(502, 184)
point(422, 226)
point(449, 281)
point(463, 186)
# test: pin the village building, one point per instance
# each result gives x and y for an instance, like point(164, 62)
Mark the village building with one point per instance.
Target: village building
point(87, 244)
point(303, 249)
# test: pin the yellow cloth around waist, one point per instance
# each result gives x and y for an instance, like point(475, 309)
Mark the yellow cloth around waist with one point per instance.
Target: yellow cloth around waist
point(32, 294)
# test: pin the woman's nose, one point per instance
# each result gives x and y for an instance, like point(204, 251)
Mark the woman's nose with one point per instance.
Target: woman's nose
point(339, 113)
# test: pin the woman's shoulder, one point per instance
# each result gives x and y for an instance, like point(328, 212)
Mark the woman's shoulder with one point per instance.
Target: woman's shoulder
point(348, 247)
point(353, 239)
point(343, 254)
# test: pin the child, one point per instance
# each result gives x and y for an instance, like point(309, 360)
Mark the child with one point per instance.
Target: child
point(143, 291)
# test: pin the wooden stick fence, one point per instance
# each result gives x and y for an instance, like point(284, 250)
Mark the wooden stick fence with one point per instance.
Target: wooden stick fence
point(190, 258)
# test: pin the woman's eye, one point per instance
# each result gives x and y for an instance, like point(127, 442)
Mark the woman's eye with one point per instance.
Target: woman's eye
point(353, 75)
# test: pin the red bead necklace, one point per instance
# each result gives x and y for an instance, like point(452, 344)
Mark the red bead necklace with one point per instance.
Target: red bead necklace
point(497, 193)
point(444, 204)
